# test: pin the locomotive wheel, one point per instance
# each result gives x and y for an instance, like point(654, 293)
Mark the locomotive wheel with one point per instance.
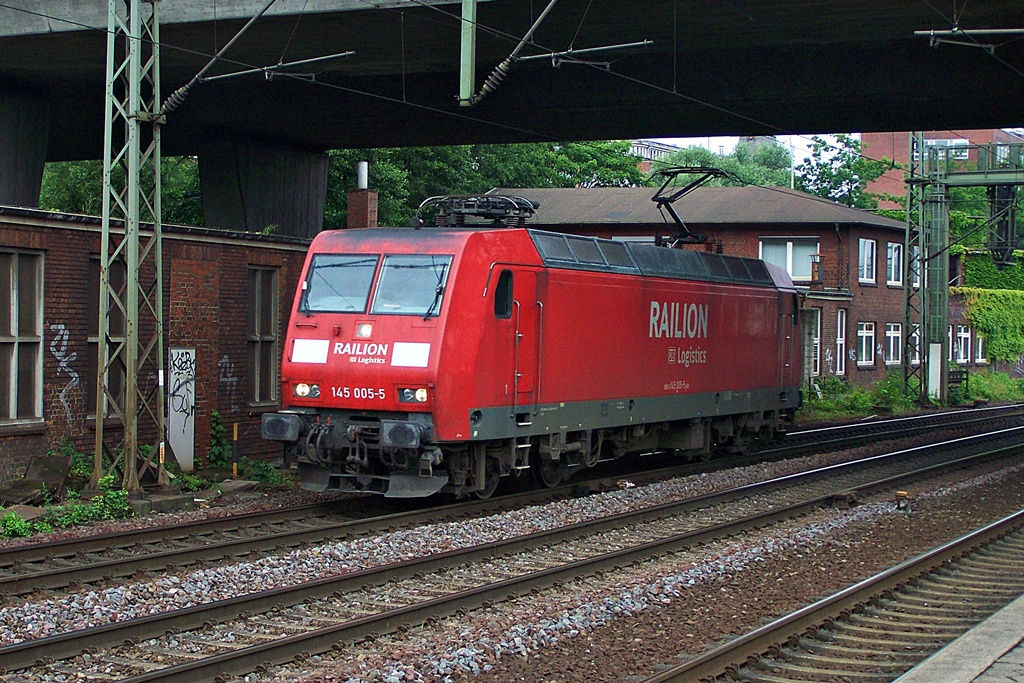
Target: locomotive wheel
point(493, 475)
point(548, 472)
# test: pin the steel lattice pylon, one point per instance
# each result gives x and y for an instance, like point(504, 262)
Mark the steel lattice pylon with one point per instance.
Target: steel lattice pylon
point(913, 253)
point(933, 172)
point(926, 283)
point(129, 381)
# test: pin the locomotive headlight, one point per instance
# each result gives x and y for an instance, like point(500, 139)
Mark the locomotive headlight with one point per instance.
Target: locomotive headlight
point(412, 395)
point(364, 330)
point(303, 390)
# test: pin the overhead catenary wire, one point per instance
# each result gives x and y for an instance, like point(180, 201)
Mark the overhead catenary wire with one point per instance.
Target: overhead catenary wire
point(178, 96)
point(507, 36)
point(955, 24)
point(500, 71)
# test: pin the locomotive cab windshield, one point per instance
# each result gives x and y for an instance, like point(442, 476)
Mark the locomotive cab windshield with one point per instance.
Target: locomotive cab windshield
point(408, 284)
point(411, 284)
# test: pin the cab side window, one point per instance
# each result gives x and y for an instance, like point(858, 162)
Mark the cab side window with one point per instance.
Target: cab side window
point(503, 295)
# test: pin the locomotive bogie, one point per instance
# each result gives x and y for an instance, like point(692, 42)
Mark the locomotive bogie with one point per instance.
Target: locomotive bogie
point(516, 349)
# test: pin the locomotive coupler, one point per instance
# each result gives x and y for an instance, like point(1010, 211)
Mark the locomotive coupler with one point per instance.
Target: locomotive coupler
point(430, 457)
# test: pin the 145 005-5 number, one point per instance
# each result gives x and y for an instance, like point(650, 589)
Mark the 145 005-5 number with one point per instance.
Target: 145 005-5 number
point(357, 392)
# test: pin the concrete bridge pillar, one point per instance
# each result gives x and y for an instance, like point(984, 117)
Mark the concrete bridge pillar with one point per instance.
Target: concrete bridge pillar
point(24, 133)
point(251, 186)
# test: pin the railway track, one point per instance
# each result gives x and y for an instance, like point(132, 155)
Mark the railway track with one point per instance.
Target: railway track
point(853, 434)
point(314, 617)
point(882, 627)
point(108, 557)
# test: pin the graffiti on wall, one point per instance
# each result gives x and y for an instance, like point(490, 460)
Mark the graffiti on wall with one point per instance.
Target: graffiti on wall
point(59, 349)
point(181, 406)
point(228, 380)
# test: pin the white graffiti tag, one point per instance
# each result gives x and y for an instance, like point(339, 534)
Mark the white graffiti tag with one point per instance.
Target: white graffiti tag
point(59, 349)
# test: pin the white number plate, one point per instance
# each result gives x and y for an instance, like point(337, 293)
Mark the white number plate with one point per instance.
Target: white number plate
point(358, 392)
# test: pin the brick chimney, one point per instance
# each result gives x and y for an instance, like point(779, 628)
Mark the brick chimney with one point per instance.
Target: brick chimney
point(362, 202)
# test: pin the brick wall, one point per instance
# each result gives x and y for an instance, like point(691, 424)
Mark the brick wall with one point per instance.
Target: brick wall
point(205, 306)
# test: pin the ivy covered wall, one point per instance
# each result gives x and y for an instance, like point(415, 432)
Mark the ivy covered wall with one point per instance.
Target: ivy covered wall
point(980, 272)
point(998, 315)
point(994, 303)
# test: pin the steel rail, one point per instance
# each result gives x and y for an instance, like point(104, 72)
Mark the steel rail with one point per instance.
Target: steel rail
point(939, 417)
point(25, 654)
point(852, 434)
point(717, 661)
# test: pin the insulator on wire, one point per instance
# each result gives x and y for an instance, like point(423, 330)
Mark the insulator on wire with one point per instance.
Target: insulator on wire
point(175, 100)
point(494, 80)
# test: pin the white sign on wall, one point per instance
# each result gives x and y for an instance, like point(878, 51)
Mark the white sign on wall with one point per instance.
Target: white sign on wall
point(181, 407)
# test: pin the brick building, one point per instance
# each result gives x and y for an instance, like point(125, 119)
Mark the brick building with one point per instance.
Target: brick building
point(896, 147)
point(848, 262)
point(227, 296)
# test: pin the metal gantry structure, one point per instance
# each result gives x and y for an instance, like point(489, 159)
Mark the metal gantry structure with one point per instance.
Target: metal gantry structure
point(130, 376)
point(932, 172)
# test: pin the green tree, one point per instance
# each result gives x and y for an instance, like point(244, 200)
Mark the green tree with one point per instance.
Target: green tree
point(73, 187)
point(404, 177)
point(840, 172)
point(77, 187)
point(766, 164)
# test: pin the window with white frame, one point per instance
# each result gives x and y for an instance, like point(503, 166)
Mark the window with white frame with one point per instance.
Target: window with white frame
point(866, 262)
point(814, 324)
point(21, 336)
point(841, 341)
point(979, 349)
point(865, 343)
point(963, 344)
point(893, 343)
point(948, 148)
point(950, 344)
point(791, 253)
point(262, 335)
point(894, 264)
point(916, 266)
point(915, 345)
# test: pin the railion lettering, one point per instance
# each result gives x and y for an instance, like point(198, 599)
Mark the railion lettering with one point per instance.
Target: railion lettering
point(678, 320)
point(360, 349)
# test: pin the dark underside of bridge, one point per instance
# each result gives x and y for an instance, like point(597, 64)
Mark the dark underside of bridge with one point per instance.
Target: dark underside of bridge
point(737, 67)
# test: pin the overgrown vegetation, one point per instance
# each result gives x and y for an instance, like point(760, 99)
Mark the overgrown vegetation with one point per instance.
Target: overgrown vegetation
point(220, 453)
point(81, 464)
point(998, 315)
point(981, 272)
point(835, 397)
point(220, 456)
point(832, 397)
point(109, 505)
point(187, 482)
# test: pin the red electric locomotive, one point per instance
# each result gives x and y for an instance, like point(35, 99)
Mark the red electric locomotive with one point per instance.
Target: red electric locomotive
point(441, 359)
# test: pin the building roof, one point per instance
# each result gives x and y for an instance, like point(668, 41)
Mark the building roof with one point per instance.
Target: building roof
point(703, 206)
point(44, 217)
